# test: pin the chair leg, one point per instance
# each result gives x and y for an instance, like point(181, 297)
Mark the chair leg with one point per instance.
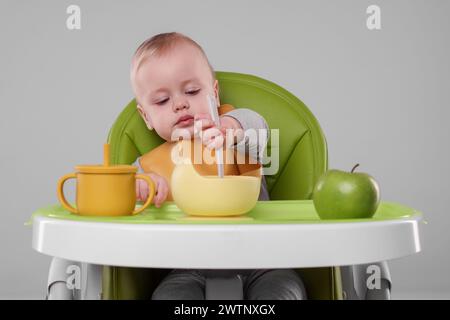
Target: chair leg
point(71, 280)
point(367, 281)
point(58, 276)
point(383, 293)
point(92, 286)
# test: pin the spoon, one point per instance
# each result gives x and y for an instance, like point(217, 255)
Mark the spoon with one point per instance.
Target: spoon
point(215, 117)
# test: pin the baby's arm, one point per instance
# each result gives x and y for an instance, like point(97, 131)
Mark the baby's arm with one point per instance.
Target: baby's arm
point(249, 119)
point(242, 122)
point(142, 190)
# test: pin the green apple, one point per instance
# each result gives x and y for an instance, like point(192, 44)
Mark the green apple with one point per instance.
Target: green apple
point(345, 195)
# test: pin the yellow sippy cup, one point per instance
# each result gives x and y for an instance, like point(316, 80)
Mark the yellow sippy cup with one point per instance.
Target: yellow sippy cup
point(105, 190)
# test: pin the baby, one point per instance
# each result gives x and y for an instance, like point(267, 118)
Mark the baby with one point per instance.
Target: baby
point(171, 77)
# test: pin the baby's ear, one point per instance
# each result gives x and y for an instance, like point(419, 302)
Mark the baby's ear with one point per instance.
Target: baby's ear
point(145, 117)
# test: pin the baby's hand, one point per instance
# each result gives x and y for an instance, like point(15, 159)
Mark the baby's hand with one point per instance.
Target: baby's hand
point(212, 136)
point(161, 189)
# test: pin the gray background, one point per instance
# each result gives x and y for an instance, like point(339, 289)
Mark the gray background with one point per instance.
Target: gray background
point(380, 96)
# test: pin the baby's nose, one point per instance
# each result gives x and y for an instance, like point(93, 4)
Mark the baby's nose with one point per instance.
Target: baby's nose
point(180, 105)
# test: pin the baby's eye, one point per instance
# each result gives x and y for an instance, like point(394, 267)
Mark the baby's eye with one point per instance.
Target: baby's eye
point(193, 92)
point(162, 102)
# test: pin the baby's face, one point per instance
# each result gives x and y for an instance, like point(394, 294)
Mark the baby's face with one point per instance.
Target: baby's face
point(172, 89)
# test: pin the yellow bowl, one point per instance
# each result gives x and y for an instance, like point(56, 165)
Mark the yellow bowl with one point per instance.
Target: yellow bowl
point(199, 195)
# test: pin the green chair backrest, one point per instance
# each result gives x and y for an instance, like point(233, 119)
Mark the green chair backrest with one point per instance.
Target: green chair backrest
point(302, 146)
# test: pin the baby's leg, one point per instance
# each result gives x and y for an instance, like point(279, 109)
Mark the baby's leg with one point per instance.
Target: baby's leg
point(181, 284)
point(279, 284)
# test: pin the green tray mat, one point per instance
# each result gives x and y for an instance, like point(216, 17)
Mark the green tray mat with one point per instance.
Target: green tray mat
point(265, 212)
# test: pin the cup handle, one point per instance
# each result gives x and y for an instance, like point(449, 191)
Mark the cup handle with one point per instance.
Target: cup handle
point(151, 192)
point(60, 190)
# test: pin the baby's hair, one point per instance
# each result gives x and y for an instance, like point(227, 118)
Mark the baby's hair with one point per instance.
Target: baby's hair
point(159, 45)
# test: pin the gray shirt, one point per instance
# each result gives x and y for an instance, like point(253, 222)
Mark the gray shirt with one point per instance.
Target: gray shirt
point(253, 144)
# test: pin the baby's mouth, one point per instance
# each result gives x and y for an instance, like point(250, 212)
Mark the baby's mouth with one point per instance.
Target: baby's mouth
point(185, 121)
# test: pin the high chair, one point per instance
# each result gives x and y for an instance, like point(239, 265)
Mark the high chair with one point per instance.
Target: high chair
point(350, 246)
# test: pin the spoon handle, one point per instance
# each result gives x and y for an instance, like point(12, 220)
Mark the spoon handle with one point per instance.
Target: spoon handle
point(215, 117)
